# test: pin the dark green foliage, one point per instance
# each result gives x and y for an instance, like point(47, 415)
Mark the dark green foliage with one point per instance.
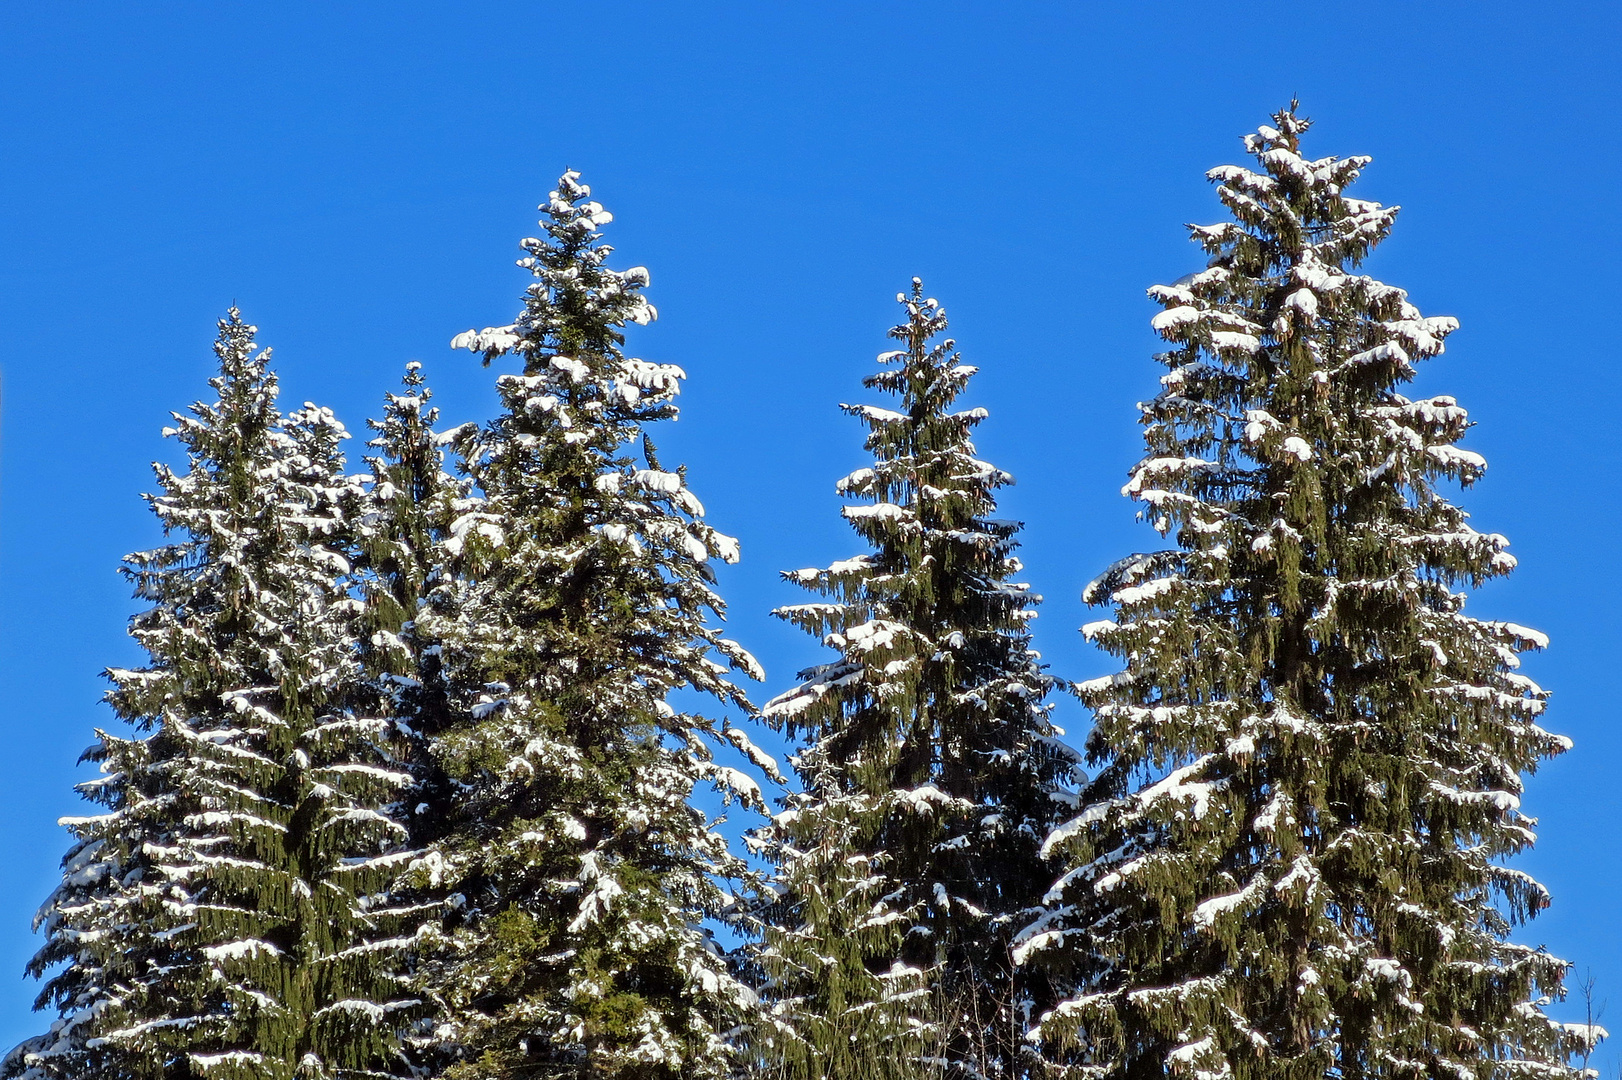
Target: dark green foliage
point(222, 919)
point(412, 592)
point(579, 873)
point(1291, 864)
point(931, 773)
point(409, 790)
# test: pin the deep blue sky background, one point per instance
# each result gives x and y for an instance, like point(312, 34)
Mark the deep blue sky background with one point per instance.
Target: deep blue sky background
point(356, 175)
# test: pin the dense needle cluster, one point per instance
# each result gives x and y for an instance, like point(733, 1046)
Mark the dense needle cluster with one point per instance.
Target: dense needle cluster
point(417, 779)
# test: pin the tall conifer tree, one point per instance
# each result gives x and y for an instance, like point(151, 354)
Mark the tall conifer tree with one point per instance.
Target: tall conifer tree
point(407, 567)
point(1310, 768)
point(407, 560)
point(401, 536)
point(223, 918)
point(931, 773)
point(581, 872)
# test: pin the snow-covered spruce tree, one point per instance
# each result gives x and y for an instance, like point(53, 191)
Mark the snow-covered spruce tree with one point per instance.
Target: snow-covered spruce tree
point(404, 554)
point(219, 920)
point(412, 590)
point(582, 873)
point(931, 770)
point(1291, 861)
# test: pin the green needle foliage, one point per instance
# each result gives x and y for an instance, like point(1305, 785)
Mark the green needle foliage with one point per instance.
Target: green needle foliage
point(931, 772)
point(1291, 864)
point(224, 917)
point(412, 592)
point(579, 873)
point(411, 587)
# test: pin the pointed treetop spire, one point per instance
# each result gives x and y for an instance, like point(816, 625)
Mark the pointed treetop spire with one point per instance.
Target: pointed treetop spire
point(576, 304)
point(1286, 132)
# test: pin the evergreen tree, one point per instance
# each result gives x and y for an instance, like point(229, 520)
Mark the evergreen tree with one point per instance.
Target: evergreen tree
point(1291, 863)
point(931, 771)
point(223, 917)
point(581, 873)
point(406, 562)
point(402, 534)
point(412, 591)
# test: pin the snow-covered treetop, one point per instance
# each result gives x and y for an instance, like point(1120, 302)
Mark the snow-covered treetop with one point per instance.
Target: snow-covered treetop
point(577, 302)
point(1281, 349)
point(924, 506)
point(923, 453)
point(579, 391)
point(408, 410)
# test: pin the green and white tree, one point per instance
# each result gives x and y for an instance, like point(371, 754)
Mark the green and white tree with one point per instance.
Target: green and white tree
point(931, 770)
point(1291, 863)
point(412, 590)
point(407, 563)
point(583, 875)
point(225, 917)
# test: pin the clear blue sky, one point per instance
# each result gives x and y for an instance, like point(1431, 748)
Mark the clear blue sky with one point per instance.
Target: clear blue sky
point(356, 176)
